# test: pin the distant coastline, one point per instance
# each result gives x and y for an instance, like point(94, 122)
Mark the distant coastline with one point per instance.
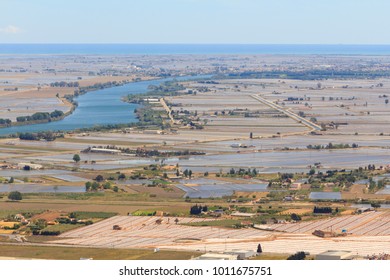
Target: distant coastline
point(165, 49)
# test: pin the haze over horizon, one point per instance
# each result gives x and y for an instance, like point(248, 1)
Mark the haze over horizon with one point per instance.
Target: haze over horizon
point(195, 22)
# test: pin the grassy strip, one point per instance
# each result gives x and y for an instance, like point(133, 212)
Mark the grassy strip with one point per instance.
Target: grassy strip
point(75, 253)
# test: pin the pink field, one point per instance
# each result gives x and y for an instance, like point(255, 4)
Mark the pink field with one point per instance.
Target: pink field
point(371, 235)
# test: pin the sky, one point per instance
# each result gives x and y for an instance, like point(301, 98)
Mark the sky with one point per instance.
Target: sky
point(195, 21)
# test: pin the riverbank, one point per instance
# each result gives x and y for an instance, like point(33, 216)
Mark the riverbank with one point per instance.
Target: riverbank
point(102, 108)
point(69, 101)
point(73, 107)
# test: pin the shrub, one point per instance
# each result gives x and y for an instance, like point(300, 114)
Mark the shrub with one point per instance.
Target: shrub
point(15, 195)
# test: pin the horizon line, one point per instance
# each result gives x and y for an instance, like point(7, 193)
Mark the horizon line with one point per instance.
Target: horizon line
point(213, 44)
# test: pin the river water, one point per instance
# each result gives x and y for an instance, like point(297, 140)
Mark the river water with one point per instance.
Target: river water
point(100, 107)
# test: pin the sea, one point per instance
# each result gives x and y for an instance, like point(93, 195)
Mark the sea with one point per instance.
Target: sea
point(165, 49)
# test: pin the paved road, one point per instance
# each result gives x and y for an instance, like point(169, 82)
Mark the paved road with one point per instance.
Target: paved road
point(288, 113)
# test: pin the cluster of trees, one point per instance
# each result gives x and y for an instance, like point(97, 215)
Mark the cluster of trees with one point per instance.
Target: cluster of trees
point(15, 195)
point(286, 176)
point(72, 220)
point(373, 185)
point(95, 186)
point(91, 186)
point(295, 217)
point(37, 226)
point(47, 135)
point(322, 210)
point(5, 121)
point(297, 256)
point(167, 87)
point(39, 116)
point(11, 89)
point(333, 146)
point(371, 167)
point(187, 173)
point(65, 84)
point(41, 229)
point(242, 172)
point(198, 209)
point(345, 178)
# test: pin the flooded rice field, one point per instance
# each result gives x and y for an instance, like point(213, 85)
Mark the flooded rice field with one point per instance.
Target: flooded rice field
point(205, 188)
point(39, 188)
point(24, 173)
point(69, 178)
point(325, 196)
point(266, 162)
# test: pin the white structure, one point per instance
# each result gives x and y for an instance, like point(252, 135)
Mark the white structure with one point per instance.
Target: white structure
point(214, 256)
point(335, 255)
point(106, 151)
point(236, 145)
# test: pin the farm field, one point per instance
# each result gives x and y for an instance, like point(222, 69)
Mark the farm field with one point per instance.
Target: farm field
point(144, 232)
point(367, 224)
point(257, 153)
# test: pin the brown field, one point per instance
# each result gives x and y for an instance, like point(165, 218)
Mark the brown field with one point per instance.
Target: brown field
point(298, 211)
point(47, 215)
point(256, 195)
point(6, 231)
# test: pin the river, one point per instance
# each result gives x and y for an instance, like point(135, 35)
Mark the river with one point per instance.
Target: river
point(100, 107)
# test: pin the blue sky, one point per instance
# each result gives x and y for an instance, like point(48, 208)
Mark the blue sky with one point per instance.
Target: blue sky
point(195, 21)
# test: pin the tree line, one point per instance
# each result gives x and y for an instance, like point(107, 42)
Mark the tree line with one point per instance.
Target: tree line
point(5, 121)
point(41, 116)
point(65, 84)
point(332, 146)
point(198, 209)
point(46, 135)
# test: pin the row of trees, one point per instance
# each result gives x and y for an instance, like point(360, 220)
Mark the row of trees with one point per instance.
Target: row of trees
point(95, 186)
point(5, 121)
point(47, 135)
point(187, 173)
point(198, 209)
point(297, 256)
point(333, 146)
point(322, 210)
point(65, 84)
point(41, 116)
point(242, 171)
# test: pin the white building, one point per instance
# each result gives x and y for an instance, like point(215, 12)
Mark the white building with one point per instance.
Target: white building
point(335, 255)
